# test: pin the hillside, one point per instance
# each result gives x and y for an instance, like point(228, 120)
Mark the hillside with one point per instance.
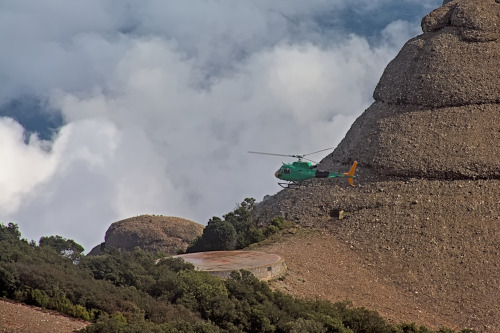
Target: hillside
point(418, 239)
point(423, 223)
point(417, 250)
point(122, 291)
point(321, 266)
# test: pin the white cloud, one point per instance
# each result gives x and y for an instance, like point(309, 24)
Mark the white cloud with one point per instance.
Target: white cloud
point(24, 165)
point(159, 121)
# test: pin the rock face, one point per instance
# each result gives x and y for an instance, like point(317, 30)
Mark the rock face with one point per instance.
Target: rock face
point(436, 112)
point(430, 244)
point(424, 217)
point(151, 233)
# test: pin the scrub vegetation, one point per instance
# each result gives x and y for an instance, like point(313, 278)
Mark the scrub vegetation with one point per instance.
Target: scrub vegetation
point(236, 230)
point(133, 292)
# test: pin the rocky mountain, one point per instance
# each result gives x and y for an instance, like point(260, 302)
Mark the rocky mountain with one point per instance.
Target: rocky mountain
point(151, 233)
point(424, 218)
point(436, 111)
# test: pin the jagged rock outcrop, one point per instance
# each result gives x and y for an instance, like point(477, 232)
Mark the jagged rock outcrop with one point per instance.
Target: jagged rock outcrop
point(437, 105)
point(151, 233)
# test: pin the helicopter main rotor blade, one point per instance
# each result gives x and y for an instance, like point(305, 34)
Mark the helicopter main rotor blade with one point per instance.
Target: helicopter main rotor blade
point(299, 156)
point(319, 151)
point(309, 160)
point(258, 152)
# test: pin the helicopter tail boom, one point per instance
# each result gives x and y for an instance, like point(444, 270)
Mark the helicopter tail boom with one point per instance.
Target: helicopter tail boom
point(350, 174)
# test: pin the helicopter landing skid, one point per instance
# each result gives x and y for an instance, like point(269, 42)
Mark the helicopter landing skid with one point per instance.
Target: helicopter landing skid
point(290, 184)
point(299, 184)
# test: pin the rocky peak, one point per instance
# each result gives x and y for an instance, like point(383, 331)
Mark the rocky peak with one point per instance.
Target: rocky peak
point(151, 233)
point(436, 112)
point(476, 21)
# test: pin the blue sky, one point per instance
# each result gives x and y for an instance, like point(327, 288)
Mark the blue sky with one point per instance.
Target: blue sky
point(111, 109)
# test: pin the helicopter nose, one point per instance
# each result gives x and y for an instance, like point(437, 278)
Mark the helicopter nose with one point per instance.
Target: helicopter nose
point(277, 175)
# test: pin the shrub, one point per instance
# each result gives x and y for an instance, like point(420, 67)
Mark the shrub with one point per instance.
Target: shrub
point(412, 328)
point(304, 325)
point(8, 280)
point(200, 291)
point(38, 298)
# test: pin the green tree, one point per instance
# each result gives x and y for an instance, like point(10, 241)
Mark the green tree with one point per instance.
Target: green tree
point(11, 231)
point(241, 217)
point(66, 247)
point(218, 235)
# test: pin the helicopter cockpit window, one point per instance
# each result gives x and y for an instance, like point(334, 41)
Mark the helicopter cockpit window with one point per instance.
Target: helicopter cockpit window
point(280, 170)
point(287, 170)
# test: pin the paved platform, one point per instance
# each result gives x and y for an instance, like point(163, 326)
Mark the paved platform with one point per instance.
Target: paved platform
point(221, 263)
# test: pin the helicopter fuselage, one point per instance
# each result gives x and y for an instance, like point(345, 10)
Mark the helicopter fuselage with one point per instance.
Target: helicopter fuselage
point(301, 170)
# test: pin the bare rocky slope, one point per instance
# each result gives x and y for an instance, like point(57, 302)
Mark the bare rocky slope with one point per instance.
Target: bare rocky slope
point(22, 318)
point(432, 245)
point(424, 219)
point(153, 233)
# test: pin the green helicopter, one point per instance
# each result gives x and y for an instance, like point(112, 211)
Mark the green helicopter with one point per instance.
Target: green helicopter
point(297, 172)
